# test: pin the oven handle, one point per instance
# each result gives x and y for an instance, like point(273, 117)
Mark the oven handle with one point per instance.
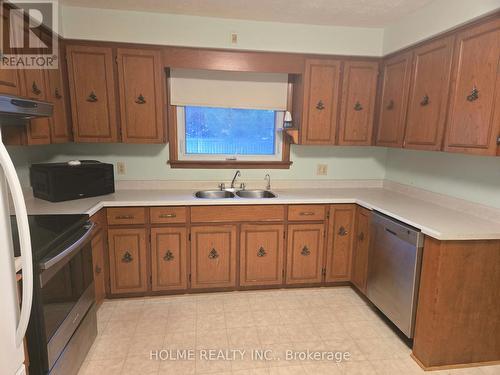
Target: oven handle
point(70, 249)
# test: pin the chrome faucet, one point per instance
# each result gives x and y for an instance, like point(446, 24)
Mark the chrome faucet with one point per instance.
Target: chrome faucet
point(238, 173)
point(268, 179)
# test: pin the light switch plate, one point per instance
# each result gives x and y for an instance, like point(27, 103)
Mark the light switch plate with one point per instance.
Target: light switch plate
point(120, 168)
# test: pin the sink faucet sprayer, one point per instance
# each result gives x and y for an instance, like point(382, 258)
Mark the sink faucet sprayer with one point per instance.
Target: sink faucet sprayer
point(268, 179)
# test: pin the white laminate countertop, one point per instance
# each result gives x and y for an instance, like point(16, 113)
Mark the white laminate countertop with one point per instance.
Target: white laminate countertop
point(433, 220)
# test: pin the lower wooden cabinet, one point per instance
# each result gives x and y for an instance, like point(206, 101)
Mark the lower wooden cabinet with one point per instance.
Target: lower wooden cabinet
point(98, 250)
point(213, 256)
point(261, 254)
point(169, 258)
point(360, 249)
point(339, 247)
point(305, 253)
point(127, 260)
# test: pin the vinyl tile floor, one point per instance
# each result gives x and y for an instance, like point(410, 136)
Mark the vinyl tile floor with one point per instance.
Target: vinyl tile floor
point(271, 332)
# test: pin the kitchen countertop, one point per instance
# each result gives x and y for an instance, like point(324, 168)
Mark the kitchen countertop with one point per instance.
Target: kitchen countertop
point(433, 220)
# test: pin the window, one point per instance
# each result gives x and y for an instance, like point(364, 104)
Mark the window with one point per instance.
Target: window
point(235, 134)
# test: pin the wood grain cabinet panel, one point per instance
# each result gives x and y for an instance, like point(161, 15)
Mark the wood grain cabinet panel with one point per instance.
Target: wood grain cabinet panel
point(56, 94)
point(394, 100)
point(213, 256)
point(98, 251)
point(429, 92)
point(359, 89)
point(473, 124)
point(339, 247)
point(9, 82)
point(92, 92)
point(261, 254)
point(127, 260)
point(141, 82)
point(321, 96)
point(169, 258)
point(361, 247)
point(305, 253)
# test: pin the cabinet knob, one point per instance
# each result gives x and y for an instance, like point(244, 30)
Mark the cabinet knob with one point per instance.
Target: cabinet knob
point(305, 251)
point(474, 94)
point(34, 89)
point(57, 95)
point(320, 105)
point(168, 256)
point(127, 257)
point(98, 270)
point(342, 231)
point(140, 99)
point(498, 140)
point(425, 100)
point(358, 106)
point(213, 254)
point(261, 252)
point(390, 105)
point(361, 236)
point(92, 97)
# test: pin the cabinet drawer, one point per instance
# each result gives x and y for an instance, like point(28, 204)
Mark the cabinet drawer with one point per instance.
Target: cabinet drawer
point(229, 214)
point(306, 212)
point(126, 216)
point(168, 215)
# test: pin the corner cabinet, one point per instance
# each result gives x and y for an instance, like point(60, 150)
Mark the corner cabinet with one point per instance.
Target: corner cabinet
point(474, 113)
point(92, 92)
point(9, 82)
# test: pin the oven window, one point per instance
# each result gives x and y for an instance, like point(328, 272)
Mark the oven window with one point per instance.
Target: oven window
point(64, 289)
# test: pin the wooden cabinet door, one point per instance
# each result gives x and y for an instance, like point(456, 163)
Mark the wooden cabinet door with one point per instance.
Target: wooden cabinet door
point(92, 92)
point(429, 92)
point(394, 100)
point(127, 260)
point(305, 253)
point(34, 86)
point(361, 246)
point(359, 88)
point(98, 250)
point(142, 82)
point(9, 82)
point(169, 258)
point(474, 114)
point(56, 94)
point(213, 256)
point(321, 96)
point(261, 254)
point(339, 248)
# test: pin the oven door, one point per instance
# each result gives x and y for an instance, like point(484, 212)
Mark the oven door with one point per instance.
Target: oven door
point(67, 291)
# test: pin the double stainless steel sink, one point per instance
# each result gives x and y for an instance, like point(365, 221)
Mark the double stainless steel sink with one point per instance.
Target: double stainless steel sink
point(222, 194)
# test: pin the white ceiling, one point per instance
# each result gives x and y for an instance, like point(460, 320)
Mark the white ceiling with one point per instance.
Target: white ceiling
point(357, 13)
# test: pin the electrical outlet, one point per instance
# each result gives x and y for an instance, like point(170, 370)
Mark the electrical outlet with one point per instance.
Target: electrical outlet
point(234, 38)
point(120, 167)
point(322, 170)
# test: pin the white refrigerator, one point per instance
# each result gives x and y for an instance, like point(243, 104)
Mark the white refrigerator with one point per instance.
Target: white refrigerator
point(14, 309)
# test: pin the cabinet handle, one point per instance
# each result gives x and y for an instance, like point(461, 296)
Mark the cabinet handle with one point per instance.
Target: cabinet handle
point(305, 251)
point(168, 256)
point(213, 254)
point(167, 216)
point(92, 97)
point(474, 94)
point(306, 213)
point(342, 231)
point(57, 95)
point(425, 100)
point(124, 217)
point(320, 105)
point(498, 140)
point(127, 257)
point(361, 236)
point(261, 252)
point(358, 106)
point(98, 270)
point(390, 105)
point(34, 89)
point(140, 99)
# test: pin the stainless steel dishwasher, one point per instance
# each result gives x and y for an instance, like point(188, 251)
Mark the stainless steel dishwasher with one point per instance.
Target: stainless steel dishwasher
point(394, 270)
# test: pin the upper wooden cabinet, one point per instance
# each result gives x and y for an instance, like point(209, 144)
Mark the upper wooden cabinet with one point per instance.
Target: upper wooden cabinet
point(429, 92)
point(9, 82)
point(92, 92)
point(56, 94)
point(474, 114)
point(320, 102)
point(393, 101)
point(141, 84)
point(359, 88)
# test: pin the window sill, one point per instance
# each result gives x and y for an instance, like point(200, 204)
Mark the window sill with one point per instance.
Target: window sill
point(230, 164)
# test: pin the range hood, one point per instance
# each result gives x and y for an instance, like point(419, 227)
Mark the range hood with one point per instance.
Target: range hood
point(16, 111)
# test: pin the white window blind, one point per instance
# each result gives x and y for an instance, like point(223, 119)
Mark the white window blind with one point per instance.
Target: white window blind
point(210, 88)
